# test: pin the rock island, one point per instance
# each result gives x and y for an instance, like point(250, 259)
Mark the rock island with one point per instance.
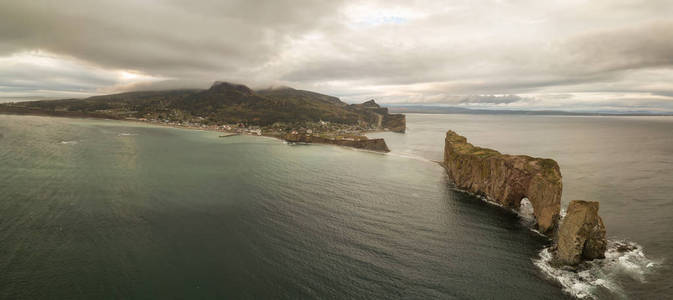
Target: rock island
point(507, 179)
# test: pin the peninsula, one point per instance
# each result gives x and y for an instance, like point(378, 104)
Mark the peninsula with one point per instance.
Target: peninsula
point(286, 113)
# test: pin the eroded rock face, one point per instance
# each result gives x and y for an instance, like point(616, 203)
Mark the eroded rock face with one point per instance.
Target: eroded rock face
point(395, 122)
point(506, 179)
point(360, 143)
point(581, 235)
point(391, 122)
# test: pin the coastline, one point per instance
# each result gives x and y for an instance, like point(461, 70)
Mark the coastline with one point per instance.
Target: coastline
point(363, 144)
point(580, 283)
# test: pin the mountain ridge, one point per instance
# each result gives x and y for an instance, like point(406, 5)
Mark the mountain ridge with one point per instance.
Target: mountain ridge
point(222, 103)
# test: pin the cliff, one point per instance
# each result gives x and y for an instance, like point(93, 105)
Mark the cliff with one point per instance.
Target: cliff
point(363, 142)
point(385, 120)
point(506, 179)
point(395, 122)
point(581, 235)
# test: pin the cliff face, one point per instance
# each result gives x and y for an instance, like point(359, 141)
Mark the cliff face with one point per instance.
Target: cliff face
point(361, 143)
point(506, 179)
point(395, 122)
point(581, 235)
point(392, 122)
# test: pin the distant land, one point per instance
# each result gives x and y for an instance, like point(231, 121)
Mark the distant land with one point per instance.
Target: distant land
point(436, 109)
point(222, 103)
point(292, 115)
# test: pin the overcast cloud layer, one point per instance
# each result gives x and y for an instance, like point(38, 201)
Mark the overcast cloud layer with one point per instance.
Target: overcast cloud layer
point(530, 54)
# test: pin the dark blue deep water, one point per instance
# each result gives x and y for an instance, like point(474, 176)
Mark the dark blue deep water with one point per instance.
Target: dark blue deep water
point(106, 209)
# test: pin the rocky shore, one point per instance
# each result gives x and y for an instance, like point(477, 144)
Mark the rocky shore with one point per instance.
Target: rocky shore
point(285, 113)
point(507, 179)
point(359, 142)
point(354, 141)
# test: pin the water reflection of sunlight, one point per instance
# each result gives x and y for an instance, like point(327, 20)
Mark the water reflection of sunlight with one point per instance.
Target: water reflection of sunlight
point(128, 151)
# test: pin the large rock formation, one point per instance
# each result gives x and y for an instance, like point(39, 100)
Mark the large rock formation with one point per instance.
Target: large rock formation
point(395, 122)
point(581, 235)
point(361, 142)
point(386, 121)
point(506, 179)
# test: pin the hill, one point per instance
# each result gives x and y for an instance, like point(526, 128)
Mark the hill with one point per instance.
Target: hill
point(222, 103)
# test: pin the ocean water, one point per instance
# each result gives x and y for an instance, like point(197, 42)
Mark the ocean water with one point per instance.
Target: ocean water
point(108, 209)
point(626, 163)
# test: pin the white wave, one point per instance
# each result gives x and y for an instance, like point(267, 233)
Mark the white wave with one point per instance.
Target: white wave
point(363, 150)
point(409, 155)
point(481, 197)
point(68, 142)
point(489, 200)
point(127, 134)
point(600, 276)
point(526, 213)
point(591, 278)
point(265, 137)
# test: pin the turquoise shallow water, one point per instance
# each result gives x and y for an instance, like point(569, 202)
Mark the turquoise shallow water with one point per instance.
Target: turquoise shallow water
point(106, 209)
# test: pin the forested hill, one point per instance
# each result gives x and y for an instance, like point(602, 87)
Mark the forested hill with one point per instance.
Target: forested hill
point(222, 103)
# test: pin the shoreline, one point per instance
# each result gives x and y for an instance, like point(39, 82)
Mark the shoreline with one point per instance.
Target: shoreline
point(353, 144)
point(566, 279)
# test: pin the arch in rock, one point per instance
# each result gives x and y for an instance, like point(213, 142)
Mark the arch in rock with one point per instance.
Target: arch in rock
point(506, 179)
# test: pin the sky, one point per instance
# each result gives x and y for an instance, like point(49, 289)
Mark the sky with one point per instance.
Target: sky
point(575, 55)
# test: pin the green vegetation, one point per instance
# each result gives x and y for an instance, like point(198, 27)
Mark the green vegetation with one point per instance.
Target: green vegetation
point(223, 103)
point(462, 147)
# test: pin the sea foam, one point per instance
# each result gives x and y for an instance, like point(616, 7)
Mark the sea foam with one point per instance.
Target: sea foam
point(593, 279)
point(600, 277)
point(127, 134)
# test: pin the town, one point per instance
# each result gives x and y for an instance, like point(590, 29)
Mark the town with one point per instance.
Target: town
point(322, 130)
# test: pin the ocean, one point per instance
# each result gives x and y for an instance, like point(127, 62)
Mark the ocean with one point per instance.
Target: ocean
point(109, 209)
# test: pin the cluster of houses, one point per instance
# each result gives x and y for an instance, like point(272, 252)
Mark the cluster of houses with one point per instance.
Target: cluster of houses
point(235, 128)
point(342, 131)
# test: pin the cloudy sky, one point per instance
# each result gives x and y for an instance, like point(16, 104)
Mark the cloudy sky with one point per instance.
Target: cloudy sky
point(511, 54)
